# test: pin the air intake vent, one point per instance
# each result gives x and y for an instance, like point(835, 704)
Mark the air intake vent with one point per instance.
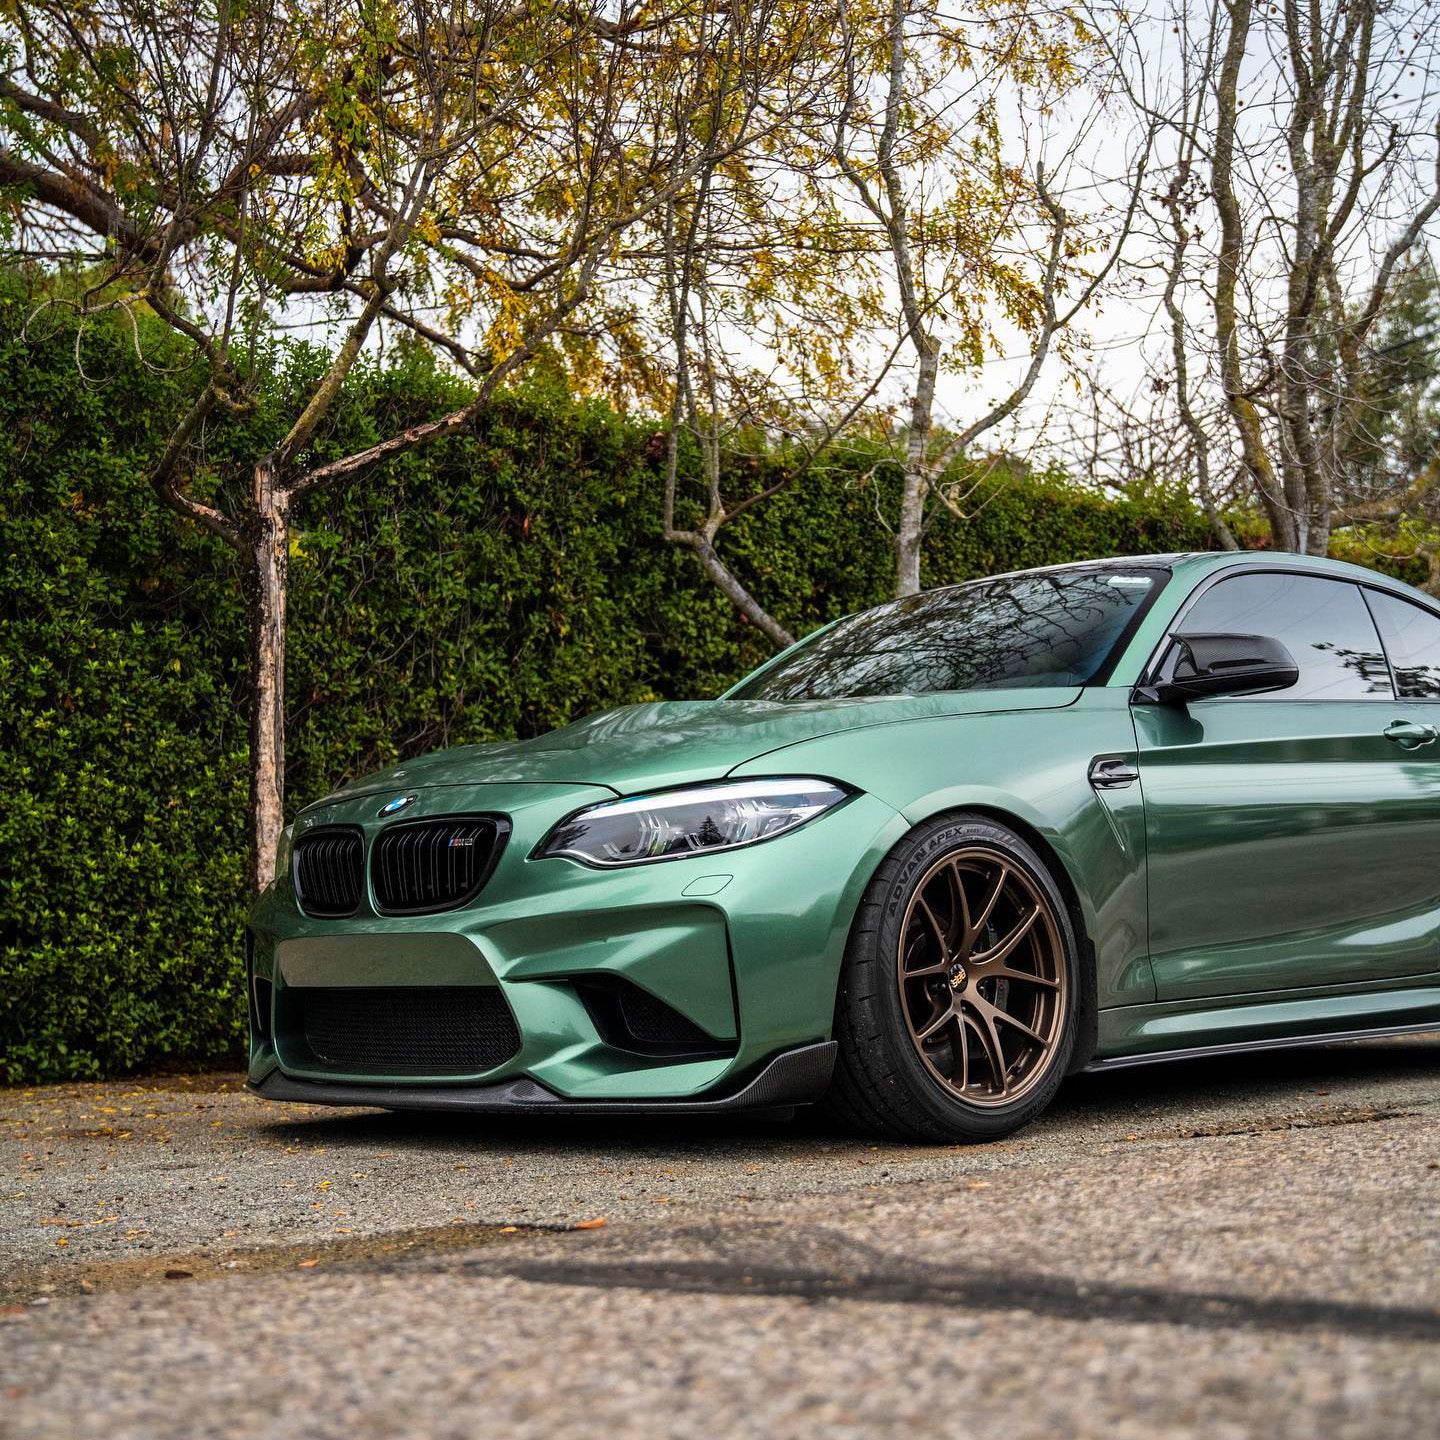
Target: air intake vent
point(420, 866)
point(653, 1022)
point(328, 872)
point(415, 1031)
point(630, 1018)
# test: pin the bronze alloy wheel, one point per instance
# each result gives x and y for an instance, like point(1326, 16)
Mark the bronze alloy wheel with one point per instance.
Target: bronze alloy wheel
point(982, 976)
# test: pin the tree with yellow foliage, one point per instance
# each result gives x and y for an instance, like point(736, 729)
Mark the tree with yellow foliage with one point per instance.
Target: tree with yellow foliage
point(463, 173)
point(905, 223)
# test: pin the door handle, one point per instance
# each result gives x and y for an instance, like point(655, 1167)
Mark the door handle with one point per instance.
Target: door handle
point(1409, 736)
point(1111, 772)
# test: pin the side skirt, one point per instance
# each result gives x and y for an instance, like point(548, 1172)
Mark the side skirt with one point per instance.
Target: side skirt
point(1241, 1047)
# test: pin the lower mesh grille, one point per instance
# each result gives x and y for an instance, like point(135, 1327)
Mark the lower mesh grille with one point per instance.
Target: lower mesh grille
point(412, 1031)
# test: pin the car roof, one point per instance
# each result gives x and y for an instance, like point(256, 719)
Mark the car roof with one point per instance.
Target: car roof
point(1207, 562)
point(1105, 562)
point(1201, 562)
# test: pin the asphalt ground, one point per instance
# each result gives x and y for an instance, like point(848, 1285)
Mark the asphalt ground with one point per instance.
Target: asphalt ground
point(1218, 1249)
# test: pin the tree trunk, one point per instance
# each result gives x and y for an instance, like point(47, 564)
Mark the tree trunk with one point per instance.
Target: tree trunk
point(731, 587)
point(911, 529)
point(1229, 262)
point(1317, 534)
point(265, 615)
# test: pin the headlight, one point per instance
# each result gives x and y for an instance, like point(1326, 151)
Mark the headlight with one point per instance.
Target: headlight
point(675, 823)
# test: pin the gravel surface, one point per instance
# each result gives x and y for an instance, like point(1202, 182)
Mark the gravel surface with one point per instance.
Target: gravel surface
point(1226, 1249)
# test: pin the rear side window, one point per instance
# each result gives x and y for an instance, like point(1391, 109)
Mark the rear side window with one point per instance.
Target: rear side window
point(1324, 624)
point(1412, 640)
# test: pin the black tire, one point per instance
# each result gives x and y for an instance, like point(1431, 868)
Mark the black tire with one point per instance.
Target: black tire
point(884, 1084)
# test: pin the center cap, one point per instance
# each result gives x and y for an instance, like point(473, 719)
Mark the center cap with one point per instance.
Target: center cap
point(957, 976)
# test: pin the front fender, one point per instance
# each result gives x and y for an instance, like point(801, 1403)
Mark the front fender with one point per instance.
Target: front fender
point(1030, 767)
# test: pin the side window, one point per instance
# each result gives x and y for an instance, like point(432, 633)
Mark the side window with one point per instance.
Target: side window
point(1323, 623)
point(1412, 640)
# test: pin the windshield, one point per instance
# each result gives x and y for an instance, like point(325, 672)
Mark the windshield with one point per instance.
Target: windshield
point(1053, 627)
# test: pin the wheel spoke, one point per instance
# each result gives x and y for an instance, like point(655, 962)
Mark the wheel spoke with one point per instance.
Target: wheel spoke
point(915, 949)
point(955, 1017)
point(1000, 951)
point(936, 1025)
point(1001, 876)
point(990, 1044)
point(940, 937)
point(962, 906)
point(937, 969)
point(997, 1016)
point(1004, 972)
point(960, 1047)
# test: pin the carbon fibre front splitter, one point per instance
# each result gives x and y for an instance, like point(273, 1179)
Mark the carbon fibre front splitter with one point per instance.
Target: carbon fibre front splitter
point(794, 1077)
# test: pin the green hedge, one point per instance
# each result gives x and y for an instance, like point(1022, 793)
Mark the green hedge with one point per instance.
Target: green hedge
point(494, 586)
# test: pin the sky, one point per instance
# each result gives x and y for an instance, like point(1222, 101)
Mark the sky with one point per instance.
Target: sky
point(1122, 341)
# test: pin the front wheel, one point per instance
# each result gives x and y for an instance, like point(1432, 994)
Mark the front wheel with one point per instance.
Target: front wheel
point(956, 1012)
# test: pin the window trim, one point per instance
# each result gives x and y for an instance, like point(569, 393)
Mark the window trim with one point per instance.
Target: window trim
point(1165, 578)
point(1150, 673)
point(1389, 662)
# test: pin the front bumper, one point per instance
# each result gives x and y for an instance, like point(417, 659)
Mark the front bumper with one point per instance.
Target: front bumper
point(746, 946)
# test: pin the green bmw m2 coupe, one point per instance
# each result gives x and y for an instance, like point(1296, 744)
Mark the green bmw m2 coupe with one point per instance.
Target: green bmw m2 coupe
point(919, 867)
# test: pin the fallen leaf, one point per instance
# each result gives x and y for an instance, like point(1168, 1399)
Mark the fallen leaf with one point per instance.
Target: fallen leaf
point(179, 1274)
point(590, 1224)
point(308, 1264)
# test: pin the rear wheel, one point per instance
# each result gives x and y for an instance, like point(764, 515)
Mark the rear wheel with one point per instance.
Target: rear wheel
point(956, 1012)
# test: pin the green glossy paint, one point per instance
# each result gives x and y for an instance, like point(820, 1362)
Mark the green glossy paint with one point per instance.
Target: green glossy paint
point(1275, 870)
point(1290, 844)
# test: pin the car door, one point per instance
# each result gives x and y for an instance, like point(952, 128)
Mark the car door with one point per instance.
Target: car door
point(1292, 836)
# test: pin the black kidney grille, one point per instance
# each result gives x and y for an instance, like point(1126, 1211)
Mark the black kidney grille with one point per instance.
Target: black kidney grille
point(425, 865)
point(422, 1030)
point(328, 872)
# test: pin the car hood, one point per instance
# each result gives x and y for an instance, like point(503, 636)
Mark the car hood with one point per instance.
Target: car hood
point(677, 742)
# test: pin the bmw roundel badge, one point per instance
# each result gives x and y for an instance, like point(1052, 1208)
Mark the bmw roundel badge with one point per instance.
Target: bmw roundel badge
point(398, 803)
